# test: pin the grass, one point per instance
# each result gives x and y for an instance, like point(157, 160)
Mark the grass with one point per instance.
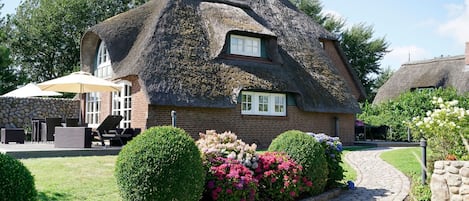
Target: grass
point(408, 162)
point(74, 178)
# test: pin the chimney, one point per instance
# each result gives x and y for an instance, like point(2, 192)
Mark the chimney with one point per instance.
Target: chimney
point(466, 54)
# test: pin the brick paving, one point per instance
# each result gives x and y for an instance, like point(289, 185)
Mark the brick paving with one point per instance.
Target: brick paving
point(376, 179)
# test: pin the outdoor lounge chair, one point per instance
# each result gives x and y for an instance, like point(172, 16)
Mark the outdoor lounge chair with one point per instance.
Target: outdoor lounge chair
point(108, 129)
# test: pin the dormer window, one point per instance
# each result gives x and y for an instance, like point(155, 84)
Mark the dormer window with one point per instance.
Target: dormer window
point(244, 45)
point(103, 62)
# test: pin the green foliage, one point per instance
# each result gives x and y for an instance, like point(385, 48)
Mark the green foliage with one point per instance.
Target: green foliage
point(45, 34)
point(333, 154)
point(307, 152)
point(408, 162)
point(364, 52)
point(402, 109)
point(16, 181)
point(162, 163)
point(445, 129)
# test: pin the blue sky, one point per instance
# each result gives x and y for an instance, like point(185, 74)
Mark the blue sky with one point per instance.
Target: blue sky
point(423, 29)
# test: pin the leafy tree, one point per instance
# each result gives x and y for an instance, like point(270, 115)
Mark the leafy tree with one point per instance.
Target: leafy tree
point(363, 51)
point(9, 76)
point(383, 78)
point(45, 34)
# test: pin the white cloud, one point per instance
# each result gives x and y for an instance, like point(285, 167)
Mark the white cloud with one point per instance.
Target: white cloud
point(457, 27)
point(403, 54)
point(333, 13)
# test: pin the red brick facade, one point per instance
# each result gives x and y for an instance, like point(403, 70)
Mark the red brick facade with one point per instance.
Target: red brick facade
point(258, 129)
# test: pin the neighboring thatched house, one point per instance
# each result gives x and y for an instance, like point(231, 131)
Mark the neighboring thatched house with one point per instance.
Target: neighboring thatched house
point(434, 73)
point(256, 68)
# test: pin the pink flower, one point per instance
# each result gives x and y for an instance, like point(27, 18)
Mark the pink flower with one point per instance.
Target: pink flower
point(229, 191)
point(292, 193)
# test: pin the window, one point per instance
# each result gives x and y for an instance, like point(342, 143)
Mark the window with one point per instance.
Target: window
point(257, 103)
point(243, 45)
point(93, 107)
point(103, 62)
point(122, 104)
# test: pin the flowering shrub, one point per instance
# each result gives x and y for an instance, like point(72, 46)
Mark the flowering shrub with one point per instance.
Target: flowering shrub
point(228, 179)
point(446, 129)
point(307, 152)
point(333, 150)
point(227, 145)
point(280, 178)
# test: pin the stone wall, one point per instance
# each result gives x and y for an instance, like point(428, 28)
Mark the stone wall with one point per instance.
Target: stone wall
point(450, 181)
point(18, 112)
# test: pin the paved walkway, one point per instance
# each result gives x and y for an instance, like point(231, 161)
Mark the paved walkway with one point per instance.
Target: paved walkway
point(376, 179)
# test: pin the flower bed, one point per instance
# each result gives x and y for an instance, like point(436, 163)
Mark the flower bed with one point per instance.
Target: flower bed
point(236, 172)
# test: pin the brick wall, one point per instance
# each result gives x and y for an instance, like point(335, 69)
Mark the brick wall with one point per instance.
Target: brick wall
point(258, 129)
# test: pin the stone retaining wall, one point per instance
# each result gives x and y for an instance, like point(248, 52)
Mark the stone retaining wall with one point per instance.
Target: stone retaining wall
point(450, 181)
point(18, 112)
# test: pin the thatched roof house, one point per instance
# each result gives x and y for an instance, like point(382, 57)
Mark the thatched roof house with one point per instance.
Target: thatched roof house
point(188, 54)
point(434, 73)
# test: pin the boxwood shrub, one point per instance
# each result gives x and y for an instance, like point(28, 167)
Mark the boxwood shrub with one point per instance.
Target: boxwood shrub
point(307, 152)
point(162, 163)
point(16, 182)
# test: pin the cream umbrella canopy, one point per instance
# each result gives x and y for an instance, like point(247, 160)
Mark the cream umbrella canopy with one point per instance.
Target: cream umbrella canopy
point(79, 82)
point(30, 90)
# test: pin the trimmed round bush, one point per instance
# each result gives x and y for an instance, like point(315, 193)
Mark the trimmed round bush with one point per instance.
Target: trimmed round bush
point(162, 163)
point(307, 152)
point(16, 182)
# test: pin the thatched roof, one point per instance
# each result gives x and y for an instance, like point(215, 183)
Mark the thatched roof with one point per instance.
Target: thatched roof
point(178, 50)
point(433, 73)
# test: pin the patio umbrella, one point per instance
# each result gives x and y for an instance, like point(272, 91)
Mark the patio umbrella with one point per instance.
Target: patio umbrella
point(30, 90)
point(79, 82)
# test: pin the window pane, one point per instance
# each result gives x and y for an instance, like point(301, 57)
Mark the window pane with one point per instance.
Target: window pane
point(246, 103)
point(244, 45)
point(279, 104)
point(263, 103)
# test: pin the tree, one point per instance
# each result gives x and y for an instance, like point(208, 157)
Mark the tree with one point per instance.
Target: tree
point(363, 51)
point(9, 76)
point(382, 78)
point(45, 34)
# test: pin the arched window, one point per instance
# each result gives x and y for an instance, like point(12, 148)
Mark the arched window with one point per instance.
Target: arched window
point(122, 103)
point(103, 62)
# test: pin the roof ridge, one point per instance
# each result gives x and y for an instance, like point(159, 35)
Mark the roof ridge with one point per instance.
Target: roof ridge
point(439, 59)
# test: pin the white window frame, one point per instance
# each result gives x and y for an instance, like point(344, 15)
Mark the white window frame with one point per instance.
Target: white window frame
point(121, 103)
point(258, 99)
point(103, 62)
point(93, 109)
point(244, 45)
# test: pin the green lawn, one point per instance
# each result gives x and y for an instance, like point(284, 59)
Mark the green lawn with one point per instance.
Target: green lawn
point(349, 173)
point(74, 178)
point(408, 162)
